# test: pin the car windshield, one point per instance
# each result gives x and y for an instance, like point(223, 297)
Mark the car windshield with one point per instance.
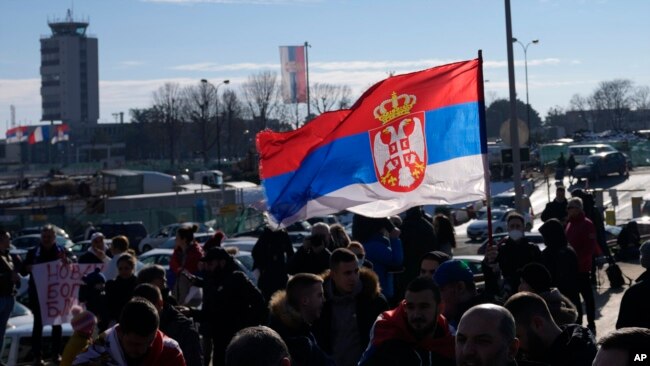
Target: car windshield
point(592, 160)
point(496, 215)
point(503, 201)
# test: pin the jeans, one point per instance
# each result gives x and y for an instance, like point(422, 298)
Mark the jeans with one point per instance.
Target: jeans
point(6, 306)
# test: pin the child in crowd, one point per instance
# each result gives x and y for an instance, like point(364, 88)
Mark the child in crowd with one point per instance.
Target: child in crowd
point(83, 322)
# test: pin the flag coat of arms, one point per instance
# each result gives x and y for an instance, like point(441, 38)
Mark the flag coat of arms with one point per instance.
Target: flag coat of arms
point(61, 133)
point(17, 134)
point(409, 140)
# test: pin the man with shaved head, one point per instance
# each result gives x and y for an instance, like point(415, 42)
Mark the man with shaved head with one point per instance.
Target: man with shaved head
point(486, 337)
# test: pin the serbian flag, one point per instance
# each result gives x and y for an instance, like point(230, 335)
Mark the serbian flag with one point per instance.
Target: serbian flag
point(410, 140)
point(17, 134)
point(40, 133)
point(294, 74)
point(60, 133)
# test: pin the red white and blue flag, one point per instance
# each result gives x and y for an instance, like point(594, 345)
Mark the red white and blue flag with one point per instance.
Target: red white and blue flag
point(60, 133)
point(40, 133)
point(17, 134)
point(410, 140)
point(294, 74)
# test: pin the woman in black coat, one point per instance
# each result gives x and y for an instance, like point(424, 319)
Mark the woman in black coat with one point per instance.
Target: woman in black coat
point(561, 261)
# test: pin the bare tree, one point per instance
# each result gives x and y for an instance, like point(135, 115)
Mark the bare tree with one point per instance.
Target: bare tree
point(201, 109)
point(614, 98)
point(555, 116)
point(260, 95)
point(641, 98)
point(167, 104)
point(582, 105)
point(232, 110)
point(326, 97)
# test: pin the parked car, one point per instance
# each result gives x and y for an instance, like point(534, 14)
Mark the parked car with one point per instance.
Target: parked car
point(17, 345)
point(475, 264)
point(532, 237)
point(298, 231)
point(507, 199)
point(81, 247)
point(478, 228)
point(201, 238)
point(32, 240)
point(156, 240)
point(583, 151)
point(601, 164)
point(163, 257)
point(37, 230)
point(135, 231)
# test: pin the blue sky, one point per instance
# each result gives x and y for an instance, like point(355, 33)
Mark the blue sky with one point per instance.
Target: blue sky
point(143, 44)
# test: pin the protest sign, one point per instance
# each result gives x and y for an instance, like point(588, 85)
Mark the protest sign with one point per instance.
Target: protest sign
point(58, 285)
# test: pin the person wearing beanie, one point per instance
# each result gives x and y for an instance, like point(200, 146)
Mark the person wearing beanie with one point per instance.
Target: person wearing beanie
point(535, 278)
point(92, 294)
point(83, 323)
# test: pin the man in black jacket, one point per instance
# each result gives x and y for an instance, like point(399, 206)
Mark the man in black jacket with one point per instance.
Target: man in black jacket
point(542, 340)
point(556, 209)
point(634, 305)
point(97, 251)
point(353, 301)
point(231, 302)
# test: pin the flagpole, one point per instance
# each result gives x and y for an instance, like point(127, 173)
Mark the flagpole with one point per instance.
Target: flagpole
point(307, 76)
point(486, 164)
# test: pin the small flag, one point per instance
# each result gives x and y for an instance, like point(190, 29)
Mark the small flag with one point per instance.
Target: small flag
point(61, 133)
point(17, 134)
point(294, 74)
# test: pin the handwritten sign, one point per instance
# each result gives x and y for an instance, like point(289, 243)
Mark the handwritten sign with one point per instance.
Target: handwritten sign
point(58, 285)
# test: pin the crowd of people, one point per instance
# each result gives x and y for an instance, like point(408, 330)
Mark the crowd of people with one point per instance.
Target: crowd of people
point(391, 294)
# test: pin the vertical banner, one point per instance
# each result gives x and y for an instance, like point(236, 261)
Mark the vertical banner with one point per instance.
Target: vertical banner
point(294, 74)
point(57, 285)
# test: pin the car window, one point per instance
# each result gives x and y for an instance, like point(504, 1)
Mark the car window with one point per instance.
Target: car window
point(247, 261)
point(163, 260)
point(148, 260)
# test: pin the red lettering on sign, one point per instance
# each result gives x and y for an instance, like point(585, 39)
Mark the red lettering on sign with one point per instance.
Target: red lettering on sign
point(52, 310)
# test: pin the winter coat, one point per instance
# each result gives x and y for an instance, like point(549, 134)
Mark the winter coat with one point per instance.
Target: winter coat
point(76, 344)
point(418, 239)
point(386, 254)
point(561, 260)
point(270, 254)
point(308, 261)
point(189, 260)
point(118, 292)
point(302, 344)
point(393, 343)
point(180, 328)
point(581, 234)
point(555, 210)
point(90, 257)
point(575, 346)
point(562, 309)
point(369, 304)
point(106, 350)
point(634, 305)
point(37, 255)
point(7, 269)
point(512, 257)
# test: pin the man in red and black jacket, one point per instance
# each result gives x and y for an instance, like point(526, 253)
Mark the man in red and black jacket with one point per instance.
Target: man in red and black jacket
point(581, 235)
point(414, 333)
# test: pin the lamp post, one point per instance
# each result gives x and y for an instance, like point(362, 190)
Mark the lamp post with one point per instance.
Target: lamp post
point(525, 48)
point(216, 92)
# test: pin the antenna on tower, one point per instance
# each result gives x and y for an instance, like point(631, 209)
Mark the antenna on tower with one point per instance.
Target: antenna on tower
point(13, 115)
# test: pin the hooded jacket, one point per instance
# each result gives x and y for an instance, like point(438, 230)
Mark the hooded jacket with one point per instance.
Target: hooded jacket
point(368, 302)
point(296, 333)
point(106, 350)
point(393, 343)
point(560, 259)
point(575, 346)
point(562, 309)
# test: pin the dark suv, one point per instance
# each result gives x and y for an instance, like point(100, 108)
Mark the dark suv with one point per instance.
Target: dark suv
point(133, 230)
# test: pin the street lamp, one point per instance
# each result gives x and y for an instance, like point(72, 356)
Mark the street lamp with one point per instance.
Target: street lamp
point(216, 92)
point(525, 48)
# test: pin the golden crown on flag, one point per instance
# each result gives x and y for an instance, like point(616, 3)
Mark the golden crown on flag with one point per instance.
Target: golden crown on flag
point(394, 107)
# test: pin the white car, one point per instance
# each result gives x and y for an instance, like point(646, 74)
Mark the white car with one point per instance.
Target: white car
point(17, 345)
point(478, 229)
point(155, 240)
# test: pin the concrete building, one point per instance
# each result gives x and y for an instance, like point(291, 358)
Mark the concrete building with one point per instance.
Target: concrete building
point(70, 74)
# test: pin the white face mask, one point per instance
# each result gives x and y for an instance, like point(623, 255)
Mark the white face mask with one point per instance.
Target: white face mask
point(515, 234)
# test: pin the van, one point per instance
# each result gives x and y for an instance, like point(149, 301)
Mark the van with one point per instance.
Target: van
point(581, 152)
point(135, 231)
